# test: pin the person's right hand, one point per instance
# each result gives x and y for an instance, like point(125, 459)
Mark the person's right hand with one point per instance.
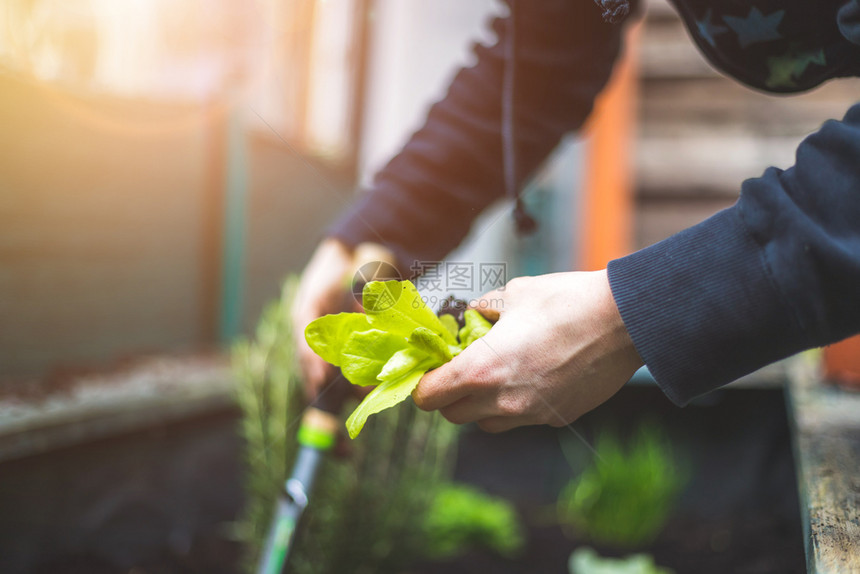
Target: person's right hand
point(323, 289)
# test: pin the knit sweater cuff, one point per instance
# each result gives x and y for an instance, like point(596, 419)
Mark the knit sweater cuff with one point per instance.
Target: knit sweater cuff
point(701, 307)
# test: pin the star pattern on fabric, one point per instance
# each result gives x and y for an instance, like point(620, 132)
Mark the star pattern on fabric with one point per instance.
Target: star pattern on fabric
point(784, 70)
point(781, 72)
point(756, 27)
point(804, 59)
point(708, 29)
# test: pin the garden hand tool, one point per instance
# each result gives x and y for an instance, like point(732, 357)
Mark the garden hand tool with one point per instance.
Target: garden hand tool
point(318, 431)
point(317, 435)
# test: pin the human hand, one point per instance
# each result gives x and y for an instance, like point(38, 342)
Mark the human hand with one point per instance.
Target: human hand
point(325, 287)
point(558, 350)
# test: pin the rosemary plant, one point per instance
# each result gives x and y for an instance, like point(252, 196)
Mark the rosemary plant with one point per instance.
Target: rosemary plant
point(366, 511)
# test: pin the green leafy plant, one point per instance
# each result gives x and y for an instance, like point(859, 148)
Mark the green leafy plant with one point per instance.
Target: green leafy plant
point(391, 345)
point(366, 511)
point(461, 517)
point(587, 561)
point(624, 497)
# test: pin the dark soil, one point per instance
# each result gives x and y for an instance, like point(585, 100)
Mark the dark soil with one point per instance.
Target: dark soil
point(738, 514)
point(160, 501)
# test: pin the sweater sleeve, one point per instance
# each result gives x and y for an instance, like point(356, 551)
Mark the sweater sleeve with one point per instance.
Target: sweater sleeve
point(777, 273)
point(422, 203)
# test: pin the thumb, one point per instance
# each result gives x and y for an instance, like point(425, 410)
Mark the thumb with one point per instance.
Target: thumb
point(440, 387)
point(490, 305)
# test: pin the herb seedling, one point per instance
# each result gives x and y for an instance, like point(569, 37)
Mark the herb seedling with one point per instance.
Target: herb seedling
point(461, 517)
point(391, 345)
point(624, 497)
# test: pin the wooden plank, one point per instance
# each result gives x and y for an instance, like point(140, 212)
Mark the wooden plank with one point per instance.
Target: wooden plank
point(152, 392)
point(718, 104)
point(826, 424)
point(707, 164)
point(657, 220)
point(703, 138)
point(668, 52)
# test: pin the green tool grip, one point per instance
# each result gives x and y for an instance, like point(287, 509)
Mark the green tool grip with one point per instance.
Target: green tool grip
point(280, 536)
point(314, 437)
point(318, 429)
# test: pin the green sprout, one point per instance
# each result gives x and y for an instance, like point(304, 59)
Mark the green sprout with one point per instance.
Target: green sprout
point(625, 496)
point(461, 517)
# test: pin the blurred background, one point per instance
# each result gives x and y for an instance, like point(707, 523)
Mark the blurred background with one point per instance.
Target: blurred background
point(164, 165)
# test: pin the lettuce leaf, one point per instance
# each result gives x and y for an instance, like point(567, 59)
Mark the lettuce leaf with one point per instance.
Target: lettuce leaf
point(330, 333)
point(386, 395)
point(364, 355)
point(392, 345)
point(396, 306)
point(450, 324)
point(475, 328)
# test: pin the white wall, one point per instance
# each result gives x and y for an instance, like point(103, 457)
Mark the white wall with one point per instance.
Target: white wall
point(416, 48)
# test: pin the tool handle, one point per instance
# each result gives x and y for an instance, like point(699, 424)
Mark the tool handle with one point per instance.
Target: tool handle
point(280, 536)
point(331, 397)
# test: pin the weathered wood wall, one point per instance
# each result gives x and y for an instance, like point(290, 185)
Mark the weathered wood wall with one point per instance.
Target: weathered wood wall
point(702, 134)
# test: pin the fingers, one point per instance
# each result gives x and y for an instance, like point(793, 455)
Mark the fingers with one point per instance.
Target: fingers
point(314, 369)
point(469, 409)
point(440, 387)
point(476, 371)
point(321, 290)
point(324, 289)
point(490, 305)
point(502, 424)
point(462, 403)
point(486, 414)
point(493, 304)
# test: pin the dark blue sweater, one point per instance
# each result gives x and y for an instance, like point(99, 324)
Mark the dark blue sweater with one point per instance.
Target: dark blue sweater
point(776, 273)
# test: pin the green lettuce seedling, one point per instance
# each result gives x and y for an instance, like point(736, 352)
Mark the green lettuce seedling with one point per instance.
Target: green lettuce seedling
point(391, 345)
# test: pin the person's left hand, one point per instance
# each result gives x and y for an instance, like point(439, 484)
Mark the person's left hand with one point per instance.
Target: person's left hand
point(558, 350)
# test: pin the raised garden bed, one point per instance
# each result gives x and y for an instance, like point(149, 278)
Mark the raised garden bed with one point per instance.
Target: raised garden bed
point(106, 471)
point(159, 494)
point(739, 512)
